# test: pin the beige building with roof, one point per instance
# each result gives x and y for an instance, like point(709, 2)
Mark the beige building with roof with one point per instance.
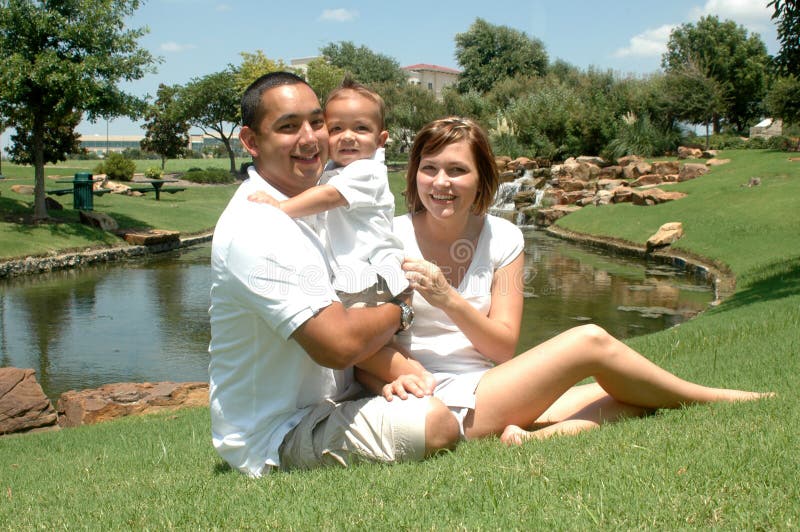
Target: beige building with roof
point(431, 77)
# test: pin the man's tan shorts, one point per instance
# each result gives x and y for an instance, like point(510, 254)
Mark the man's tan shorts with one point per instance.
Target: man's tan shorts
point(371, 429)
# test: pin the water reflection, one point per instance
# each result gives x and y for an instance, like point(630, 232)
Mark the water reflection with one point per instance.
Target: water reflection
point(148, 321)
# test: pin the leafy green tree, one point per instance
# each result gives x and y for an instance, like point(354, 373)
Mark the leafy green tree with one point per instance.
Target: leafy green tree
point(60, 140)
point(488, 54)
point(783, 99)
point(725, 53)
point(323, 77)
point(363, 65)
point(787, 15)
point(211, 103)
point(66, 57)
point(694, 96)
point(408, 108)
point(252, 67)
point(166, 132)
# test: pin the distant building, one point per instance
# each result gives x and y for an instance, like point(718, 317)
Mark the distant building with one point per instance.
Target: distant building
point(300, 65)
point(767, 128)
point(100, 144)
point(431, 77)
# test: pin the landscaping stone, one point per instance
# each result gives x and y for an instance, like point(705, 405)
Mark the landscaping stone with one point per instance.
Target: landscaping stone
point(151, 237)
point(685, 152)
point(546, 217)
point(666, 235)
point(654, 196)
point(52, 205)
point(100, 220)
point(717, 162)
point(692, 171)
point(113, 401)
point(23, 404)
point(25, 190)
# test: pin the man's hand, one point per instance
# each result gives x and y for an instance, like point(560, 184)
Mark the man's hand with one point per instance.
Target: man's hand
point(262, 197)
point(405, 384)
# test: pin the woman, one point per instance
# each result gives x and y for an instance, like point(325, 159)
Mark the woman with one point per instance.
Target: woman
point(467, 267)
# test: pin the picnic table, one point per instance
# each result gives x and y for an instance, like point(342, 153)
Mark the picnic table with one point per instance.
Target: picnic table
point(82, 190)
point(156, 185)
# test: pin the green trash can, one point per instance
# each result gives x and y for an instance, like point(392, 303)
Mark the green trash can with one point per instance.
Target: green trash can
point(82, 196)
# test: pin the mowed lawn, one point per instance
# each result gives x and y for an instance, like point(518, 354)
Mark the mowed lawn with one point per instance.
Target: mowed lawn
point(731, 466)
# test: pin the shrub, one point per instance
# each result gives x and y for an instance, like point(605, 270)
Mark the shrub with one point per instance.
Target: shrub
point(640, 136)
point(781, 143)
point(154, 172)
point(209, 176)
point(117, 167)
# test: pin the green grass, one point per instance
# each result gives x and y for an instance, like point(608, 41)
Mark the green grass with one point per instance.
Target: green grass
point(720, 466)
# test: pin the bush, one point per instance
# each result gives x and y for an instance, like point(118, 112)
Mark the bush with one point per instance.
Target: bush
point(117, 167)
point(209, 176)
point(640, 136)
point(781, 143)
point(154, 172)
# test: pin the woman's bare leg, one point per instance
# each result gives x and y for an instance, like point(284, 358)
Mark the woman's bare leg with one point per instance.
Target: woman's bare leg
point(519, 391)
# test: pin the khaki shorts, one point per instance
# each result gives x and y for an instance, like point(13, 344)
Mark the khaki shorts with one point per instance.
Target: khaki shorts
point(370, 430)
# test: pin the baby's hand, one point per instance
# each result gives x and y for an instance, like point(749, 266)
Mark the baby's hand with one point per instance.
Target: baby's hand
point(262, 197)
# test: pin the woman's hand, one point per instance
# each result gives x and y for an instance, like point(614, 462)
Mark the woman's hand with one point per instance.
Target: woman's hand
point(262, 197)
point(428, 279)
point(413, 384)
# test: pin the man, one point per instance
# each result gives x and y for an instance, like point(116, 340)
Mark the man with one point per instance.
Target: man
point(279, 335)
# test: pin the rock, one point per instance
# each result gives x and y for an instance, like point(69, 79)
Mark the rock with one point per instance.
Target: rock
point(603, 197)
point(151, 237)
point(754, 182)
point(117, 188)
point(647, 179)
point(666, 235)
point(717, 162)
point(52, 205)
point(637, 169)
point(545, 217)
point(685, 152)
point(571, 185)
point(666, 167)
point(23, 404)
point(691, 171)
point(610, 184)
point(524, 163)
point(26, 190)
point(654, 196)
point(523, 198)
point(102, 221)
point(610, 172)
point(628, 159)
point(621, 195)
point(597, 161)
point(113, 401)
point(501, 161)
point(708, 154)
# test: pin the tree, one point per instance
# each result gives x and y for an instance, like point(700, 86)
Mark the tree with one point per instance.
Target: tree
point(694, 96)
point(363, 65)
point(252, 67)
point(66, 57)
point(408, 108)
point(166, 132)
point(787, 15)
point(783, 99)
point(489, 53)
point(323, 77)
point(60, 140)
point(725, 53)
point(211, 103)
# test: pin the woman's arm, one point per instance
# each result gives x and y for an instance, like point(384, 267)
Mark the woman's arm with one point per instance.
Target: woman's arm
point(495, 335)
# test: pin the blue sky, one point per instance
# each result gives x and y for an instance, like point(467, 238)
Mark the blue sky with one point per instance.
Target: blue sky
point(198, 37)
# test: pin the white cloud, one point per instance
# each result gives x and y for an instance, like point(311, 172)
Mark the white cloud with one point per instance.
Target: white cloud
point(223, 7)
point(650, 43)
point(339, 15)
point(176, 47)
point(752, 14)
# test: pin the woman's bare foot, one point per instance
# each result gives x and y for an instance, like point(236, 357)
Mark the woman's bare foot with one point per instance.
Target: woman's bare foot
point(514, 435)
point(734, 396)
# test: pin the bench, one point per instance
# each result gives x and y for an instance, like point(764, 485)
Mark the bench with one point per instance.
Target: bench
point(158, 187)
point(63, 191)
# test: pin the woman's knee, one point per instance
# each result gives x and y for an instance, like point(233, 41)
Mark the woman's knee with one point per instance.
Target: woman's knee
point(441, 427)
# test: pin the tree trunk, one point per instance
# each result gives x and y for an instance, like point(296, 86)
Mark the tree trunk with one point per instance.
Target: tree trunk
point(163, 162)
point(39, 205)
point(227, 143)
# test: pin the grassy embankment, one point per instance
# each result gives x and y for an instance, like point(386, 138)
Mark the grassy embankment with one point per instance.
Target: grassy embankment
point(729, 466)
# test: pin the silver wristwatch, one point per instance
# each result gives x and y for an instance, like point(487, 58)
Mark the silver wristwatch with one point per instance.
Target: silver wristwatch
point(406, 314)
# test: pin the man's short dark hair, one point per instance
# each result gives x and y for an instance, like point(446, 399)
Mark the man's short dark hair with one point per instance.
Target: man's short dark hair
point(251, 99)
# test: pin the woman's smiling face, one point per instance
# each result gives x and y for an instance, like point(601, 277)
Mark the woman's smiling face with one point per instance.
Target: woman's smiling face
point(447, 181)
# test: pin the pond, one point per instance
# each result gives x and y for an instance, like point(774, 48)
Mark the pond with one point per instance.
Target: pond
point(147, 319)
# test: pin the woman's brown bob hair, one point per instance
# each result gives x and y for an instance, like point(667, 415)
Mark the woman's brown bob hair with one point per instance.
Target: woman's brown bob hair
point(439, 134)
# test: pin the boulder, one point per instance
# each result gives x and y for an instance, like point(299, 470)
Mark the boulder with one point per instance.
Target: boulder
point(691, 171)
point(628, 159)
point(546, 217)
point(26, 190)
point(603, 197)
point(636, 169)
point(501, 161)
point(666, 167)
point(571, 185)
point(654, 196)
point(524, 163)
point(597, 161)
point(610, 172)
point(23, 404)
point(151, 237)
point(113, 401)
point(666, 235)
point(685, 152)
point(708, 154)
point(52, 205)
point(523, 198)
point(647, 179)
point(717, 162)
point(102, 221)
point(610, 184)
point(622, 195)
